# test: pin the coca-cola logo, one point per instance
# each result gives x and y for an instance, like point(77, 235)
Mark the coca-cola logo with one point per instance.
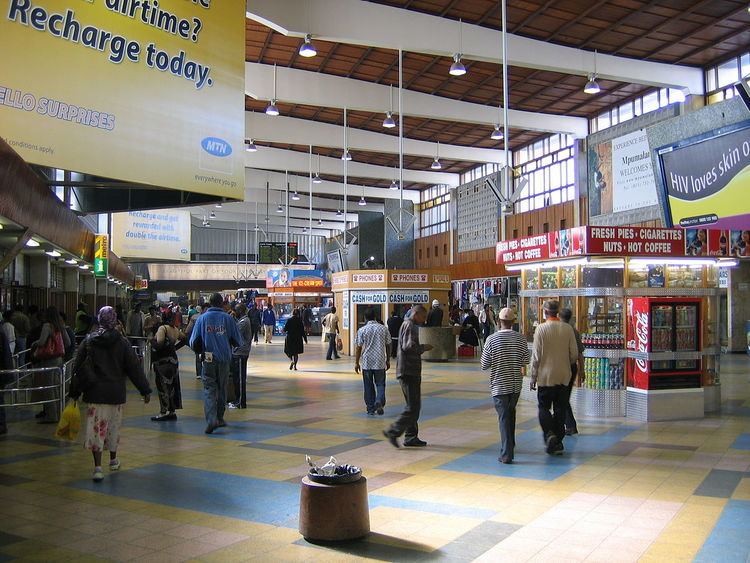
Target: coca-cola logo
point(641, 337)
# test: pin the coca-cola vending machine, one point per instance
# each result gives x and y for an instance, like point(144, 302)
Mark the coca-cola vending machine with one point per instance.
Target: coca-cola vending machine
point(666, 325)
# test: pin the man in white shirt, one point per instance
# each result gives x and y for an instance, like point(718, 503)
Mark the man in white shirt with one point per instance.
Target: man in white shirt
point(331, 324)
point(372, 358)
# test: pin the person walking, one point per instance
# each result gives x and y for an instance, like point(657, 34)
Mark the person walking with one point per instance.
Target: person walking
point(188, 334)
point(409, 374)
point(169, 338)
point(269, 323)
point(100, 367)
point(134, 325)
point(307, 319)
point(152, 322)
point(394, 326)
point(256, 320)
point(240, 356)
point(331, 324)
point(214, 334)
point(553, 352)
point(21, 323)
point(296, 338)
point(506, 354)
point(7, 328)
point(435, 316)
point(49, 352)
point(372, 358)
point(571, 426)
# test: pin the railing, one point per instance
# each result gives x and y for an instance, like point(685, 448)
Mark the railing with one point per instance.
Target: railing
point(23, 391)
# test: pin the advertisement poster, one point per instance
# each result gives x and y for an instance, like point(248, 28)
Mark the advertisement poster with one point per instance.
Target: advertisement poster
point(153, 235)
point(145, 92)
point(707, 181)
point(567, 242)
point(297, 279)
point(623, 176)
point(740, 244)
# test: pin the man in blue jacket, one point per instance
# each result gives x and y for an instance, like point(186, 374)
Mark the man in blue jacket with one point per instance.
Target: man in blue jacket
point(215, 333)
point(269, 323)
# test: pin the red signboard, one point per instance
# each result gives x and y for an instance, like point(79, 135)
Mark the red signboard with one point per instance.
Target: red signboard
point(526, 249)
point(635, 241)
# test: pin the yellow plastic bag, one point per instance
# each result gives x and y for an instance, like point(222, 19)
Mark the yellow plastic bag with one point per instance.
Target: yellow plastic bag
point(70, 422)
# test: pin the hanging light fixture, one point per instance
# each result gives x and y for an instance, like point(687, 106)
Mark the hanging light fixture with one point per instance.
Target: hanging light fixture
point(218, 205)
point(496, 135)
point(279, 208)
point(592, 86)
point(436, 163)
point(250, 147)
point(362, 202)
point(394, 184)
point(212, 215)
point(338, 212)
point(317, 179)
point(389, 122)
point(295, 195)
point(304, 229)
point(307, 49)
point(320, 220)
point(347, 155)
point(458, 68)
point(271, 109)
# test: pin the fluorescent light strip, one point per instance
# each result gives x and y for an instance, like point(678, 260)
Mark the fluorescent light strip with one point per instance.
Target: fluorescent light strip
point(682, 262)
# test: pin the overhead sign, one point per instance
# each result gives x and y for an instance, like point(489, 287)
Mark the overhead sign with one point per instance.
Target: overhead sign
point(634, 241)
point(707, 180)
point(147, 92)
point(101, 256)
point(409, 278)
point(155, 235)
point(368, 278)
point(622, 176)
point(274, 252)
point(298, 279)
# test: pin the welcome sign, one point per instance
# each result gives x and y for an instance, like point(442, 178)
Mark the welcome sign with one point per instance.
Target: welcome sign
point(149, 92)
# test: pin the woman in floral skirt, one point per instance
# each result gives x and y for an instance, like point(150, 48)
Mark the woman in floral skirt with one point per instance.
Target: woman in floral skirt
point(101, 365)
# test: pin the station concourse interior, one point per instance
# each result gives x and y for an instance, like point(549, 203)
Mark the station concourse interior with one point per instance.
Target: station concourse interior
point(342, 159)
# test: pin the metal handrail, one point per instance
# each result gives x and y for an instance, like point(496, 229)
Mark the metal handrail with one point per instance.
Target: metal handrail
point(21, 396)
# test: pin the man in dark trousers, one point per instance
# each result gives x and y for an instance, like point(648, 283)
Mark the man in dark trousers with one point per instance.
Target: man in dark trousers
point(256, 320)
point(571, 426)
point(409, 374)
point(394, 326)
point(435, 316)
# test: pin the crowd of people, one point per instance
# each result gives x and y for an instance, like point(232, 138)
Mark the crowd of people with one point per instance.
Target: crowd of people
point(221, 335)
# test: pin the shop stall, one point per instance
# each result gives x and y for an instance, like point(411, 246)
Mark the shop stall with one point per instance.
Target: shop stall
point(497, 292)
point(385, 290)
point(289, 289)
point(647, 311)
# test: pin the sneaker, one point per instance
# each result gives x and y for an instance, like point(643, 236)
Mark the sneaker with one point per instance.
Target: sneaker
point(507, 460)
point(558, 449)
point(370, 413)
point(552, 443)
point(164, 417)
point(415, 443)
point(114, 465)
point(571, 431)
point(98, 474)
point(233, 406)
point(391, 438)
point(210, 428)
point(379, 408)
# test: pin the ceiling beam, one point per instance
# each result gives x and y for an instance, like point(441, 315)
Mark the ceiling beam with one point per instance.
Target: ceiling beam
point(315, 89)
point(280, 129)
point(377, 25)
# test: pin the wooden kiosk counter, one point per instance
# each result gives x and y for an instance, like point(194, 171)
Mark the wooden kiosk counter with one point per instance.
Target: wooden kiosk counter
point(385, 290)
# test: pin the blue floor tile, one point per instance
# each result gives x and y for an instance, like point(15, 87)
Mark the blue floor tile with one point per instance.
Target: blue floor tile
point(245, 498)
point(742, 442)
point(432, 507)
point(729, 540)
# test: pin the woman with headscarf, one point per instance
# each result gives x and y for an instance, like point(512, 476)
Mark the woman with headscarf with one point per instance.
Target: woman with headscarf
point(169, 338)
point(294, 345)
point(100, 366)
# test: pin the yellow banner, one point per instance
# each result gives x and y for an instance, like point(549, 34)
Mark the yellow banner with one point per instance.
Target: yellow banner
point(101, 246)
point(144, 91)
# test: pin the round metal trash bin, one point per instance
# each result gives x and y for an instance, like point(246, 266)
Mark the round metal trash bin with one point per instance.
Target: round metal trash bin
point(334, 512)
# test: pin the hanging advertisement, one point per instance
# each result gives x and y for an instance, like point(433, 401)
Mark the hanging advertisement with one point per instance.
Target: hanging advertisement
point(298, 279)
point(707, 179)
point(101, 256)
point(155, 235)
point(144, 92)
point(623, 176)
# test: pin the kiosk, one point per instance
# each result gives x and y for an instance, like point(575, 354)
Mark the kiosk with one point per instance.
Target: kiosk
point(289, 289)
point(647, 311)
point(356, 290)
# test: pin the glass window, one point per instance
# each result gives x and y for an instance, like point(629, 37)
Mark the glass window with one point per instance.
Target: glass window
point(650, 102)
point(745, 65)
point(728, 73)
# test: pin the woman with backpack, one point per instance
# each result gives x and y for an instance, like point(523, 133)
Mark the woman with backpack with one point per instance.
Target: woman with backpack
point(49, 352)
point(169, 338)
point(100, 367)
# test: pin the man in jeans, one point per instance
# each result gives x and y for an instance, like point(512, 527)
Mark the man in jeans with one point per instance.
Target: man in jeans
point(409, 373)
point(506, 354)
point(553, 352)
point(214, 333)
point(331, 324)
point(372, 356)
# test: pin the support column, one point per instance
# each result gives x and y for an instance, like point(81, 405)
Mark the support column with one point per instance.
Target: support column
point(39, 279)
point(71, 286)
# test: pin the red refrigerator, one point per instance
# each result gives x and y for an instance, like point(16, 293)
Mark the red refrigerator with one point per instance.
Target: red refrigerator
point(664, 324)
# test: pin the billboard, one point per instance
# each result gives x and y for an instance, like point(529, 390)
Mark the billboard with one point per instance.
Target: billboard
point(706, 179)
point(297, 279)
point(153, 235)
point(147, 92)
point(622, 176)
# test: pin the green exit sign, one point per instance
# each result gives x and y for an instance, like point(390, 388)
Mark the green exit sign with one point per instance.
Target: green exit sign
point(101, 267)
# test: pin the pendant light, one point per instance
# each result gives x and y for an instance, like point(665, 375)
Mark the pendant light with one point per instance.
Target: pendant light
point(592, 86)
point(362, 202)
point(317, 179)
point(307, 49)
point(212, 215)
point(271, 109)
point(250, 147)
point(458, 68)
point(295, 195)
point(218, 205)
point(496, 135)
point(338, 212)
point(320, 220)
point(436, 163)
point(304, 230)
point(347, 155)
point(279, 207)
point(394, 183)
point(389, 122)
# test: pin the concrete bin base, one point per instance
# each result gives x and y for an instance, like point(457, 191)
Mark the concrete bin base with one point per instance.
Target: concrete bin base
point(334, 512)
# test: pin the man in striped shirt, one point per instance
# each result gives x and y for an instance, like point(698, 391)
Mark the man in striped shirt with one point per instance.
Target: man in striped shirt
point(506, 354)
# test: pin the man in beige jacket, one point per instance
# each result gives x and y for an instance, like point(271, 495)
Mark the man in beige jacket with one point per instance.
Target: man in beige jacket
point(554, 351)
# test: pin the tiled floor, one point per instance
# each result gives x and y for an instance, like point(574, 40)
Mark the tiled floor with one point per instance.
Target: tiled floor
point(624, 491)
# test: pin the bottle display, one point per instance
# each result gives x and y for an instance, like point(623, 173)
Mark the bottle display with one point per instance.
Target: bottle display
point(603, 373)
point(603, 341)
